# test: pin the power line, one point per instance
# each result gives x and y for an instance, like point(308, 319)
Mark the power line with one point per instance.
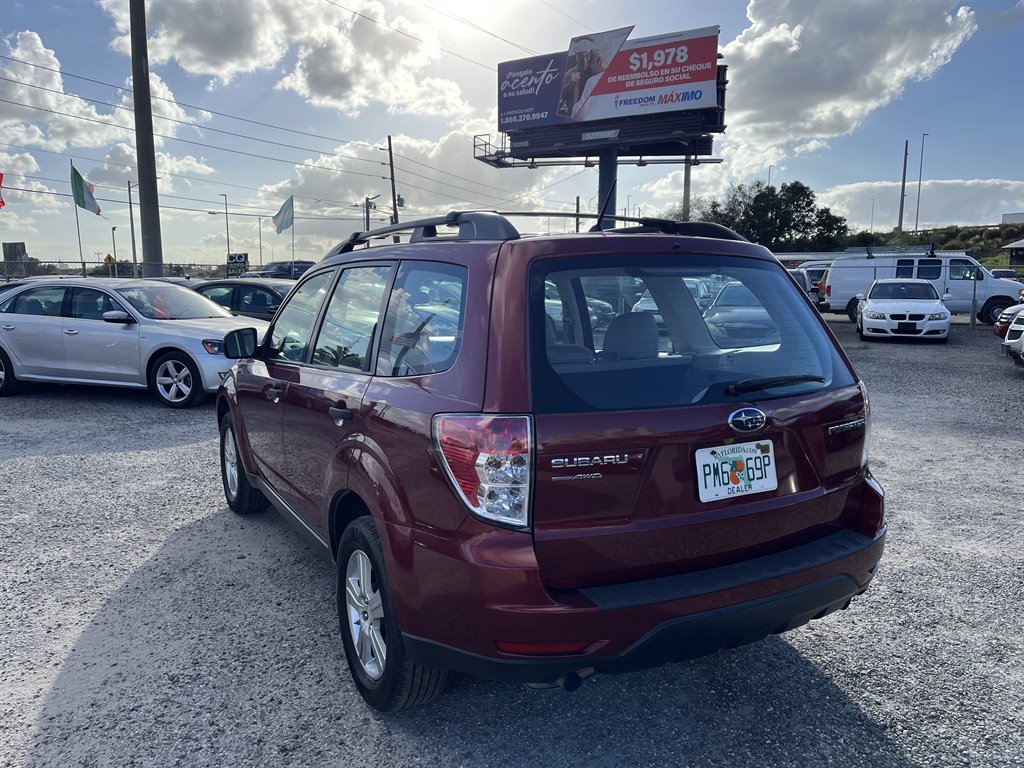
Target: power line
point(478, 28)
point(411, 37)
point(189, 106)
point(190, 124)
point(194, 143)
point(183, 104)
point(187, 210)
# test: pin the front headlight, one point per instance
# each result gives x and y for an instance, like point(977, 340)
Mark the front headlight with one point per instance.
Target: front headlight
point(875, 315)
point(938, 316)
point(214, 346)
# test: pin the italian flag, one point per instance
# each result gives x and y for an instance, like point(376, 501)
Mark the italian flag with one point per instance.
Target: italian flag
point(83, 192)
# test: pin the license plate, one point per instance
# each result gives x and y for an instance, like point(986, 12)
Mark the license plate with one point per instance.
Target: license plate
point(736, 470)
point(906, 327)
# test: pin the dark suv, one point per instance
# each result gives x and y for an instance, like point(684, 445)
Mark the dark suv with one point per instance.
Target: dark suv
point(524, 494)
point(287, 270)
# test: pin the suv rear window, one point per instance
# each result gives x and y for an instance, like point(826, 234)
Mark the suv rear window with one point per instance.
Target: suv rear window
point(615, 334)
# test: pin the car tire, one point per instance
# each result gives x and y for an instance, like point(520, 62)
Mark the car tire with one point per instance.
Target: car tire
point(242, 498)
point(175, 381)
point(993, 309)
point(386, 677)
point(851, 310)
point(8, 382)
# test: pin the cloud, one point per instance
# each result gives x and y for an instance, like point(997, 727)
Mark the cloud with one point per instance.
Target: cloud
point(942, 202)
point(805, 71)
point(345, 60)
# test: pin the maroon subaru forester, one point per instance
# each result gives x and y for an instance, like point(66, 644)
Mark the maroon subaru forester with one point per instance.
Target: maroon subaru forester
point(537, 457)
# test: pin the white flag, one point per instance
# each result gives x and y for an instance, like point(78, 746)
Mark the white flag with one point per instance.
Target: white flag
point(285, 217)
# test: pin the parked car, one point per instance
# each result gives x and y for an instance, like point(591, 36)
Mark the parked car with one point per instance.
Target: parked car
point(288, 270)
point(1009, 274)
point(1004, 320)
point(954, 273)
point(803, 279)
point(902, 307)
point(520, 502)
point(815, 270)
point(737, 318)
point(259, 298)
point(121, 332)
point(1013, 344)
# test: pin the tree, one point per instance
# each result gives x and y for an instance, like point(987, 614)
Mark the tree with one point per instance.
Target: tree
point(784, 219)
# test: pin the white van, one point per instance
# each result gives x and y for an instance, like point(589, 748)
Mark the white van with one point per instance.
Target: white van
point(951, 272)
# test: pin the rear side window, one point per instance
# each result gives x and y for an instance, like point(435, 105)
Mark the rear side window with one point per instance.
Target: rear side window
point(351, 319)
point(662, 344)
point(219, 293)
point(39, 301)
point(904, 267)
point(423, 325)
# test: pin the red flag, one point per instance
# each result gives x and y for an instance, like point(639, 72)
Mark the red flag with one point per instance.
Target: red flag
point(1, 190)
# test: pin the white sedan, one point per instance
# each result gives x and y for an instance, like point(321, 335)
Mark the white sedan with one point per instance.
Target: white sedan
point(125, 333)
point(902, 308)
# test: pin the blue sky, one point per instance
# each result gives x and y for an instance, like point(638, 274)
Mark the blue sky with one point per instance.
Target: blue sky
point(823, 92)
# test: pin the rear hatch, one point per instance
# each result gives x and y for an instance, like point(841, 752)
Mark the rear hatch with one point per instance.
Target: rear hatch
point(671, 437)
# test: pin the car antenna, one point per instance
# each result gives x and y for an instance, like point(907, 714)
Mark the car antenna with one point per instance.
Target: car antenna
point(604, 207)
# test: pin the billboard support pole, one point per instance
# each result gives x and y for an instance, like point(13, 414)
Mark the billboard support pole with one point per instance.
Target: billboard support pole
point(607, 169)
point(687, 164)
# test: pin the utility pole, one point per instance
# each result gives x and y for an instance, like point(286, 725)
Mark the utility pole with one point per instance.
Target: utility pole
point(920, 170)
point(260, 220)
point(227, 231)
point(577, 213)
point(903, 185)
point(149, 205)
point(113, 241)
point(394, 195)
point(131, 220)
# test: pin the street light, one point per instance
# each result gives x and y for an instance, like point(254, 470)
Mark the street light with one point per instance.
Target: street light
point(920, 170)
point(131, 218)
point(770, 174)
point(227, 231)
point(260, 220)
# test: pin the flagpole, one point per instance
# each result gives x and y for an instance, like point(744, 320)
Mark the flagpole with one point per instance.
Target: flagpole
point(292, 269)
point(78, 227)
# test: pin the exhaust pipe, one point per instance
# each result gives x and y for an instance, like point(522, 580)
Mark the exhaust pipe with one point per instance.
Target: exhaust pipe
point(569, 683)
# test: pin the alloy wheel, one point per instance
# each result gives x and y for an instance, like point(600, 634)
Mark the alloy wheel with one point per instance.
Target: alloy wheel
point(365, 615)
point(230, 456)
point(174, 381)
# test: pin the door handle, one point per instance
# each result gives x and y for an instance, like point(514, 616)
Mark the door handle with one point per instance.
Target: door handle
point(275, 393)
point(8, 327)
point(71, 332)
point(340, 414)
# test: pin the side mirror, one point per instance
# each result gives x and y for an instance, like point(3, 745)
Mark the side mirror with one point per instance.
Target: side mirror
point(272, 309)
point(947, 296)
point(117, 316)
point(860, 297)
point(240, 343)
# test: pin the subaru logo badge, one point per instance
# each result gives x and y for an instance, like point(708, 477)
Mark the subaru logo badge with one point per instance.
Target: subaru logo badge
point(747, 419)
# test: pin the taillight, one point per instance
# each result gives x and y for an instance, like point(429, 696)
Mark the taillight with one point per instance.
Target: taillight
point(828, 289)
point(488, 460)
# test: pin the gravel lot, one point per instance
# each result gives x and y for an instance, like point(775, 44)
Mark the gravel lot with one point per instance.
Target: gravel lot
point(144, 624)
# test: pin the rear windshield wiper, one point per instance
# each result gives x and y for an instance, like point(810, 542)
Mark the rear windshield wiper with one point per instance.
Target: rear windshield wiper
point(752, 385)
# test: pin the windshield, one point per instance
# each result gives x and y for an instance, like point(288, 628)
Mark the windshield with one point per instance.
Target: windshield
point(661, 348)
point(903, 291)
point(164, 301)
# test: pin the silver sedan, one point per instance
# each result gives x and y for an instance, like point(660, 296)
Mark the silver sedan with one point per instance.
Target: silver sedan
point(125, 333)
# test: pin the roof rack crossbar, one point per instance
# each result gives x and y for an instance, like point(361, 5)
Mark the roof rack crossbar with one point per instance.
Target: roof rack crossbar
point(494, 225)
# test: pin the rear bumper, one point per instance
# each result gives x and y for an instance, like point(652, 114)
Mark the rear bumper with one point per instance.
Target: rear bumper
point(647, 623)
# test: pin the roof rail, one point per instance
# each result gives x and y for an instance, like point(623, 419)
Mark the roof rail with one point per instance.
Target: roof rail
point(494, 225)
point(473, 225)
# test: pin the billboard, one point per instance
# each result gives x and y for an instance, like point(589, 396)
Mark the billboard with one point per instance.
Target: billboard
point(605, 75)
